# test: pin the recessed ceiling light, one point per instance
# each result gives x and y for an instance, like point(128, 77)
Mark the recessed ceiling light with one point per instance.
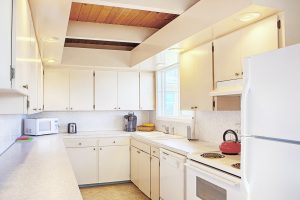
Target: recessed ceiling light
point(246, 17)
point(52, 39)
point(51, 60)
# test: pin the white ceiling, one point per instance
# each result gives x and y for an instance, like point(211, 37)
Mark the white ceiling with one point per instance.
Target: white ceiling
point(51, 19)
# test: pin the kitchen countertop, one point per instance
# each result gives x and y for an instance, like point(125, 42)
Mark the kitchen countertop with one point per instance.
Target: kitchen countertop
point(37, 170)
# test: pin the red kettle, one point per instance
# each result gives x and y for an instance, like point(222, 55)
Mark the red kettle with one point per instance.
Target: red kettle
point(228, 146)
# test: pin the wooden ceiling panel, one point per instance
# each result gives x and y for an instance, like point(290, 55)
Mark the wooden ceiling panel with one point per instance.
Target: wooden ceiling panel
point(122, 16)
point(84, 12)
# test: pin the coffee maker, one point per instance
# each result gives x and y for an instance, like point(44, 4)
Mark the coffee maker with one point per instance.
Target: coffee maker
point(130, 122)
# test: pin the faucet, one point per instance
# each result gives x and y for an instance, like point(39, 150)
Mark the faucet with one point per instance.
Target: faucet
point(167, 129)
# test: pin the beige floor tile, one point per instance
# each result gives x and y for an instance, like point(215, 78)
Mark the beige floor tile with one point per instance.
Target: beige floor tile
point(125, 191)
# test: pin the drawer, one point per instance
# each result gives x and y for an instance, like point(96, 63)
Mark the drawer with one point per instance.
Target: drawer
point(80, 142)
point(140, 145)
point(155, 152)
point(115, 141)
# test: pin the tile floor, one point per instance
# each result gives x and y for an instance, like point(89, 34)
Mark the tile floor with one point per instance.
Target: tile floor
point(125, 191)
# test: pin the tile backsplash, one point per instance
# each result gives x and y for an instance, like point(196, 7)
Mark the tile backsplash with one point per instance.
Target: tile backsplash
point(210, 126)
point(10, 129)
point(93, 121)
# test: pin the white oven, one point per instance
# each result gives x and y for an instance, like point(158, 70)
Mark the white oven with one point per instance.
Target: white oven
point(207, 183)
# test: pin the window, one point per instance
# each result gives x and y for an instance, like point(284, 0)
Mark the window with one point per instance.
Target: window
point(168, 94)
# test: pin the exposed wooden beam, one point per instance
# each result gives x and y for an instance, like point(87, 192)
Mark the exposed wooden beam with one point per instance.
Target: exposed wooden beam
point(108, 32)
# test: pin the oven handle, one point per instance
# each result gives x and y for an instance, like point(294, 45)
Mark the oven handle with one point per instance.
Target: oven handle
point(233, 181)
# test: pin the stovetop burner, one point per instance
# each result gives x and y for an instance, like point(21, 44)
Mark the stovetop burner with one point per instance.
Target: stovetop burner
point(212, 155)
point(236, 165)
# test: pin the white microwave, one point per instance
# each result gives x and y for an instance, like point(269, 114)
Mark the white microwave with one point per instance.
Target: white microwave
point(41, 126)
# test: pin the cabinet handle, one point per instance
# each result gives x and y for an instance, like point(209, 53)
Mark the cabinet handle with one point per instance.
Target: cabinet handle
point(119, 108)
point(35, 109)
point(25, 87)
point(79, 143)
point(67, 108)
point(100, 148)
point(71, 108)
point(40, 109)
point(115, 108)
point(154, 151)
point(114, 142)
point(237, 74)
point(138, 152)
point(94, 149)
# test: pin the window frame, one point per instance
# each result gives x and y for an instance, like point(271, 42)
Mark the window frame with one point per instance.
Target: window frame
point(160, 98)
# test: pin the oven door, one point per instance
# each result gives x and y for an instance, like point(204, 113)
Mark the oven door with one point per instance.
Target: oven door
point(206, 183)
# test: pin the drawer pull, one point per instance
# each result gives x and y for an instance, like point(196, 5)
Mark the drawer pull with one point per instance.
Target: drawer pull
point(165, 153)
point(79, 143)
point(138, 152)
point(100, 148)
point(114, 142)
point(154, 151)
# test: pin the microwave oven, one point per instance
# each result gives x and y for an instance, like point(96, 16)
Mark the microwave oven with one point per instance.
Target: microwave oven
point(41, 126)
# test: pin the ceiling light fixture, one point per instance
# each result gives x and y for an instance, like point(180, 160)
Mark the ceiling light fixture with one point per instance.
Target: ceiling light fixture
point(52, 39)
point(51, 60)
point(246, 17)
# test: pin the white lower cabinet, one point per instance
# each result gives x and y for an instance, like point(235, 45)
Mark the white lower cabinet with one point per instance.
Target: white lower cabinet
point(154, 178)
point(93, 164)
point(140, 170)
point(114, 164)
point(85, 164)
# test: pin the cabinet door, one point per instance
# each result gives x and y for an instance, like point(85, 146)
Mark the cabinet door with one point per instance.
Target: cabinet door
point(106, 90)
point(196, 78)
point(21, 44)
point(154, 178)
point(56, 94)
point(128, 91)
point(33, 90)
point(114, 164)
point(144, 172)
point(227, 57)
point(81, 90)
point(260, 37)
point(147, 91)
point(5, 35)
point(40, 86)
point(134, 162)
point(85, 164)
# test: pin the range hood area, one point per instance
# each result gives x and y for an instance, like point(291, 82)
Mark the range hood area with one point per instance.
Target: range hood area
point(228, 88)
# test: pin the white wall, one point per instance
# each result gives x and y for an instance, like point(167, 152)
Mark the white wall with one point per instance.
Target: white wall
point(10, 129)
point(210, 126)
point(93, 121)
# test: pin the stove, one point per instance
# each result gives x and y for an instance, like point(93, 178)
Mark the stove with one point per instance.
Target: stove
point(226, 163)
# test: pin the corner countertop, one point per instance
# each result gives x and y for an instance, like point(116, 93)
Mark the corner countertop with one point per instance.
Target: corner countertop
point(96, 134)
point(38, 170)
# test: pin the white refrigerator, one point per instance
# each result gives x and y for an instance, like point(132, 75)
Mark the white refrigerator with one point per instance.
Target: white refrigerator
point(271, 126)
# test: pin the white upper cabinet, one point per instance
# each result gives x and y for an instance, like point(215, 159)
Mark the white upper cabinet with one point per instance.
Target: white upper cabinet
point(147, 91)
point(231, 49)
point(6, 40)
point(227, 57)
point(40, 82)
point(56, 90)
point(196, 78)
point(81, 90)
point(128, 90)
point(260, 37)
point(106, 90)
